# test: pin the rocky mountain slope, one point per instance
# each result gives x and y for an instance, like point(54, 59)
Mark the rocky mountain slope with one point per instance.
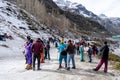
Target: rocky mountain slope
point(111, 24)
point(63, 22)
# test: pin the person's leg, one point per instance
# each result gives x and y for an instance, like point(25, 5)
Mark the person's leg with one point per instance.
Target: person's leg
point(99, 65)
point(78, 53)
point(68, 61)
point(48, 54)
point(29, 61)
point(42, 57)
point(106, 66)
point(65, 60)
point(60, 61)
point(34, 59)
point(90, 58)
point(45, 54)
point(38, 59)
point(81, 56)
point(73, 61)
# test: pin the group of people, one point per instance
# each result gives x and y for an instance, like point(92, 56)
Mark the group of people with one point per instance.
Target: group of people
point(40, 50)
point(68, 50)
point(36, 50)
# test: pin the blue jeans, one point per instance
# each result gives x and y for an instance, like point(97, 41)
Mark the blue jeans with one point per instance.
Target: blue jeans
point(70, 56)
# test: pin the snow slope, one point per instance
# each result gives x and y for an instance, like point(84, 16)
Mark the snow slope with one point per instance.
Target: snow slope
point(14, 68)
point(14, 23)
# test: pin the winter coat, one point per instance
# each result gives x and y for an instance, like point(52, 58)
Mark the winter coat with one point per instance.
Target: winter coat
point(81, 49)
point(70, 49)
point(48, 46)
point(104, 52)
point(61, 47)
point(29, 53)
point(89, 51)
point(37, 47)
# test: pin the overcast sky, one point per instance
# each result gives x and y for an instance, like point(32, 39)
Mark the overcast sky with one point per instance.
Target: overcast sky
point(110, 8)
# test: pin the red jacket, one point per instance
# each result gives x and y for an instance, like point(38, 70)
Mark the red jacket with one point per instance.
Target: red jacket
point(37, 47)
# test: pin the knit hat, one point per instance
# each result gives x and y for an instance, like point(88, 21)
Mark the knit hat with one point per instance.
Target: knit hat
point(61, 41)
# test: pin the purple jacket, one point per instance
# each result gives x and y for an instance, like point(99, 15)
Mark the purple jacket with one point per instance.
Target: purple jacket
point(29, 53)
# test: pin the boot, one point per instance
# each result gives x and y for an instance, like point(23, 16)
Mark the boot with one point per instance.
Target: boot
point(59, 67)
point(42, 61)
point(28, 67)
point(65, 65)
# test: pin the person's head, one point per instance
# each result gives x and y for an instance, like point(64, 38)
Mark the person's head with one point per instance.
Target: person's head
point(88, 44)
point(72, 42)
point(62, 41)
point(69, 41)
point(31, 41)
point(81, 43)
point(38, 39)
point(105, 42)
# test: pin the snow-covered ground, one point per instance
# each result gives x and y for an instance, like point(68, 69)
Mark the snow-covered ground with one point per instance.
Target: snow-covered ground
point(12, 62)
point(12, 67)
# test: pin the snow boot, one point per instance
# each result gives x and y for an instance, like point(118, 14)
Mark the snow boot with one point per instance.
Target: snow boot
point(59, 67)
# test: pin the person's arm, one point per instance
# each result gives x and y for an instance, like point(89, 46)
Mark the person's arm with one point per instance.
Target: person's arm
point(101, 49)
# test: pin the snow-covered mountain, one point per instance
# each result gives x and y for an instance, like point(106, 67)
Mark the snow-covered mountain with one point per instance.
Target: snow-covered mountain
point(74, 7)
point(111, 24)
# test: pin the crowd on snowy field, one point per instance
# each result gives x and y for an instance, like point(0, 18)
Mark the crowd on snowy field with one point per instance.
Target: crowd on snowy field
point(40, 49)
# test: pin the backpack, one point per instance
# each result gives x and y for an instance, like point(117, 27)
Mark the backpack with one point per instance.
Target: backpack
point(64, 53)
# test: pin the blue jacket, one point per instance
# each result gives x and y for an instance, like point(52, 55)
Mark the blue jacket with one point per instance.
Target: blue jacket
point(62, 47)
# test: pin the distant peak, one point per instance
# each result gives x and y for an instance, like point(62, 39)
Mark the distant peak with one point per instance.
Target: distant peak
point(103, 16)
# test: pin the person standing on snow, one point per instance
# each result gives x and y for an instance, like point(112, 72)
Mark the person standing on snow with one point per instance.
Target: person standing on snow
point(81, 49)
point(47, 50)
point(29, 55)
point(104, 58)
point(37, 49)
point(70, 55)
point(42, 53)
point(89, 53)
point(62, 54)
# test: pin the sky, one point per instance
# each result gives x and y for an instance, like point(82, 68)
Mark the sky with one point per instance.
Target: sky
point(110, 8)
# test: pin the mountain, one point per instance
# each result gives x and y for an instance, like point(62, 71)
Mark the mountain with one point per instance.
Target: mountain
point(112, 25)
point(60, 22)
point(75, 7)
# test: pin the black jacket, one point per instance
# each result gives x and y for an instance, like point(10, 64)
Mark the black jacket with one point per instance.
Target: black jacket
point(104, 52)
point(70, 49)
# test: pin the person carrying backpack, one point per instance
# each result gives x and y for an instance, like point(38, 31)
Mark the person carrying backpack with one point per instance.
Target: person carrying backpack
point(63, 54)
